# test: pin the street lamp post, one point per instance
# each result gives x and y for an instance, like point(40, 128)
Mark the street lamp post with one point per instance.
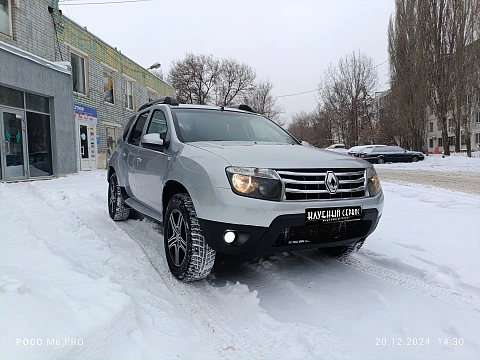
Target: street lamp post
point(155, 66)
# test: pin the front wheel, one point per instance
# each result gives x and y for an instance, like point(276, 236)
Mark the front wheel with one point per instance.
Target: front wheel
point(340, 251)
point(189, 257)
point(117, 209)
point(414, 158)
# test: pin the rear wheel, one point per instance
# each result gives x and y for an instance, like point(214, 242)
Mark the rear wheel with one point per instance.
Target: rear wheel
point(189, 257)
point(117, 209)
point(381, 160)
point(340, 251)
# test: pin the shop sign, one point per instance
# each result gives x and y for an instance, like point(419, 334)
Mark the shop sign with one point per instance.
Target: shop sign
point(85, 113)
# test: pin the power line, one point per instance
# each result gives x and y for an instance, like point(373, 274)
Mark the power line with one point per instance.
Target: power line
point(310, 91)
point(63, 2)
point(304, 92)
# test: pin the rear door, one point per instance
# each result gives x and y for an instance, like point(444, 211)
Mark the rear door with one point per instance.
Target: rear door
point(399, 154)
point(129, 153)
point(151, 164)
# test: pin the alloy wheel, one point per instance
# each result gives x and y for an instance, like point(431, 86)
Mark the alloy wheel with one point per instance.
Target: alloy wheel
point(112, 198)
point(177, 237)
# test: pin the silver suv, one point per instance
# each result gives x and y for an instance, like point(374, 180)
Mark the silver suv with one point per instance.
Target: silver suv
point(228, 180)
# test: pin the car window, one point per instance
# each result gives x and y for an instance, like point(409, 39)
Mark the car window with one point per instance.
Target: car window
point(158, 124)
point(215, 125)
point(136, 133)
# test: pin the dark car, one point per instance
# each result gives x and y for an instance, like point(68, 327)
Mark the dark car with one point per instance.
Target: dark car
point(383, 154)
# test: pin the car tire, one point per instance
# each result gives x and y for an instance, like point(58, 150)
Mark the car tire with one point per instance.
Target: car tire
point(380, 160)
point(189, 257)
point(414, 158)
point(341, 251)
point(117, 209)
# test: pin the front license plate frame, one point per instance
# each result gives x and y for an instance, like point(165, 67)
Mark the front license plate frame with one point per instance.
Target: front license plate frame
point(333, 214)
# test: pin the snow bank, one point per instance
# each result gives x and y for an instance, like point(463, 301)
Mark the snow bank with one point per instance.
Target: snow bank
point(434, 162)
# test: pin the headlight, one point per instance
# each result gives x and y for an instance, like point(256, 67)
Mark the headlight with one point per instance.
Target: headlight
point(254, 182)
point(373, 184)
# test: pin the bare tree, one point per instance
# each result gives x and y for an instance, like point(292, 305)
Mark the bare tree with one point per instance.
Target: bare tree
point(313, 127)
point(234, 81)
point(465, 26)
point(407, 45)
point(194, 78)
point(430, 65)
point(261, 99)
point(343, 93)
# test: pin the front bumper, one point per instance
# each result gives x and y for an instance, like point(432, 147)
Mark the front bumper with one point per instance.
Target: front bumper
point(224, 206)
point(287, 233)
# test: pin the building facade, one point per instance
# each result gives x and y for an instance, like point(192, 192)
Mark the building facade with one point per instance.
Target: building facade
point(434, 128)
point(37, 133)
point(107, 86)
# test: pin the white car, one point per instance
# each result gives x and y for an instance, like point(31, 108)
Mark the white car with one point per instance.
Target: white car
point(338, 148)
point(228, 180)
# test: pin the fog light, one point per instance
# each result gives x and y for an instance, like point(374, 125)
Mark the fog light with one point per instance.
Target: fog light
point(229, 236)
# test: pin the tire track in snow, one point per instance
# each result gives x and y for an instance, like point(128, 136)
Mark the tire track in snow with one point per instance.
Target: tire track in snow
point(136, 283)
point(459, 300)
point(205, 303)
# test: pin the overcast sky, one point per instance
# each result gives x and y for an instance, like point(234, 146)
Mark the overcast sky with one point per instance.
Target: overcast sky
point(289, 42)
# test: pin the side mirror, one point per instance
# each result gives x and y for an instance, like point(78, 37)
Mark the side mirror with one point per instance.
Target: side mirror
point(152, 141)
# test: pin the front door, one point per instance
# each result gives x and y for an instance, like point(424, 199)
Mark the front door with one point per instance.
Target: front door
point(13, 152)
point(86, 136)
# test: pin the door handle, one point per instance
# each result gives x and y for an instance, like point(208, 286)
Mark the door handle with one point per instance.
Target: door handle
point(124, 154)
point(138, 160)
point(7, 150)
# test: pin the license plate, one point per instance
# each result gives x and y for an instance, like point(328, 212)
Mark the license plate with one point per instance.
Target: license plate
point(333, 214)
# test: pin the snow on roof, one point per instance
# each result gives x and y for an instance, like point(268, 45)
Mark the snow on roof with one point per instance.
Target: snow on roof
point(63, 67)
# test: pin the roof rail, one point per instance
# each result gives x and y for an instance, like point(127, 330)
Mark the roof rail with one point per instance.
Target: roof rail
point(170, 100)
point(243, 107)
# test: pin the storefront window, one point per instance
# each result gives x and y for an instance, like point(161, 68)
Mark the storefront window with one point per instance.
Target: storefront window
point(39, 145)
point(11, 97)
point(37, 103)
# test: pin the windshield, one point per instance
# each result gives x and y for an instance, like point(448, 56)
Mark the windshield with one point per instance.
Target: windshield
point(216, 125)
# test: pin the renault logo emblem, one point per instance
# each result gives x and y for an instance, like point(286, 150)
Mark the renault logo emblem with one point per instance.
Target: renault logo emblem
point(331, 182)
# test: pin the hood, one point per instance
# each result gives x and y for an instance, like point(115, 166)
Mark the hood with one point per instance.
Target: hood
point(278, 156)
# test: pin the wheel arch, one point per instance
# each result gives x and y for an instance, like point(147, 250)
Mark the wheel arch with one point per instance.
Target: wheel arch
point(171, 188)
point(110, 172)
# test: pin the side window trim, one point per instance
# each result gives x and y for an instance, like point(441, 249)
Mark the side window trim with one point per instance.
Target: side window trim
point(152, 115)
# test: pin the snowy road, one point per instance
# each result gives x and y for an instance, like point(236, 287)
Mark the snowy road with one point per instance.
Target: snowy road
point(67, 272)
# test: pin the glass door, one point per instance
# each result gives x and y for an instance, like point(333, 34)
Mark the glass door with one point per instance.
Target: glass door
point(13, 145)
point(86, 134)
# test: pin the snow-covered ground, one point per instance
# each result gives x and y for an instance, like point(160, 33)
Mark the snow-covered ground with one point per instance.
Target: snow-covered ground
point(76, 285)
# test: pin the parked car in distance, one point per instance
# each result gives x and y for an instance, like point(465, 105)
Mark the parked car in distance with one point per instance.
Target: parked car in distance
point(225, 180)
point(338, 148)
point(356, 150)
point(384, 154)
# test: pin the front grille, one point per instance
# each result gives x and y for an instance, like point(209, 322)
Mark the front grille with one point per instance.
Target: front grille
point(323, 232)
point(309, 184)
